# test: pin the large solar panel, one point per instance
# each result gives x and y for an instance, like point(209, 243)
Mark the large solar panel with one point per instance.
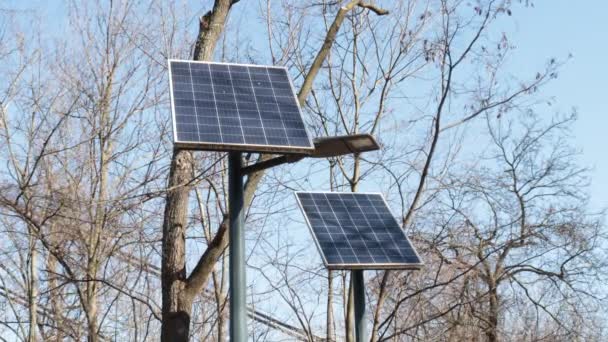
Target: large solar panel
point(357, 231)
point(234, 107)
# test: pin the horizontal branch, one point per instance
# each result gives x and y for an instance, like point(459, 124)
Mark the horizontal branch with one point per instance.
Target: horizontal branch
point(373, 8)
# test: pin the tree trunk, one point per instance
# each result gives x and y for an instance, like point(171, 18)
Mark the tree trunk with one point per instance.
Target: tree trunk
point(54, 292)
point(330, 307)
point(379, 305)
point(91, 314)
point(177, 302)
point(176, 313)
point(492, 331)
point(222, 298)
point(94, 242)
point(33, 289)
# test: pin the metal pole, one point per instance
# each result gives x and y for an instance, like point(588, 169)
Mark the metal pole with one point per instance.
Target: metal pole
point(238, 285)
point(359, 299)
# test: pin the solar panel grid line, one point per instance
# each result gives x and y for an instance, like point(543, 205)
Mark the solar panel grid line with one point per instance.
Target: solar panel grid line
point(189, 99)
point(364, 243)
point(337, 245)
point(393, 217)
point(236, 103)
point(290, 97)
point(171, 91)
point(354, 255)
point(223, 132)
point(373, 231)
point(339, 255)
point(214, 102)
point(314, 236)
point(343, 232)
point(367, 227)
point(257, 105)
point(277, 105)
point(262, 95)
point(370, 226)
point(277, 132)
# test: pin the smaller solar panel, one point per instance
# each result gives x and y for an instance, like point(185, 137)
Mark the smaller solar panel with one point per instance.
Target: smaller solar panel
point(357, 231)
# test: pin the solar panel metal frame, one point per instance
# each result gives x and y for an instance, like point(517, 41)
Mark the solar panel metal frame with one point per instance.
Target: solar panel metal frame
point(242, 147)
point(359, 266)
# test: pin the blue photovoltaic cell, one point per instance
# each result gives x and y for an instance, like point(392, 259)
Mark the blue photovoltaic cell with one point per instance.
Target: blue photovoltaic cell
point(357, 230)
point(236, 107)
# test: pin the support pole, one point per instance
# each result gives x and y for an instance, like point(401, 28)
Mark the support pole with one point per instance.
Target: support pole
point(238, 285)
point(359, 299)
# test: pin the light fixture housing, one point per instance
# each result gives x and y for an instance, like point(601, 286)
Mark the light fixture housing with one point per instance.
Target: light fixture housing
point(327, 147)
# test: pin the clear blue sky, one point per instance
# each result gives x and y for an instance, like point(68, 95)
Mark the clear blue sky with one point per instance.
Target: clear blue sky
point(553, 29)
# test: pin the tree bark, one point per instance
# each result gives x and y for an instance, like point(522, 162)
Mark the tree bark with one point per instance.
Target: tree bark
point(379, 305)
point(177, 298)
point(176, 313)
point(330, 307)
point(54, 292)
point(492, 332)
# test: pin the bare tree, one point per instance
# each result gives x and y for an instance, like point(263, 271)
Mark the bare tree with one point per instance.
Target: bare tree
point(79, 179)
point(489, 191)
point(524, 222)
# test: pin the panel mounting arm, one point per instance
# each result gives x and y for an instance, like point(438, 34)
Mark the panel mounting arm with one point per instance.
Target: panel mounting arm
point(284, 159)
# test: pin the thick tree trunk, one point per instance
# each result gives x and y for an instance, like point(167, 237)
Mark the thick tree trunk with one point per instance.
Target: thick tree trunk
point(176, 312)
point(91, 316)
point(95, 248)
point(177, 296)
point(492, 331)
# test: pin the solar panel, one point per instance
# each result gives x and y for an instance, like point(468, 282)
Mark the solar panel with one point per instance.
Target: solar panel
point(357, 231)
point(235, 107)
